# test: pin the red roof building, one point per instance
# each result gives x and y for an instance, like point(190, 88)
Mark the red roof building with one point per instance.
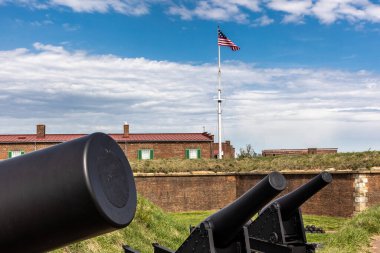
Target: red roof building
point(135, 146)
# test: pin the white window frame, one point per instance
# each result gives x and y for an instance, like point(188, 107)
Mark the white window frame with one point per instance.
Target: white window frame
point(145, 154)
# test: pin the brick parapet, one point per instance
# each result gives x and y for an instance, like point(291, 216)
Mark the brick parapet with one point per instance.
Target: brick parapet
point(349, 193)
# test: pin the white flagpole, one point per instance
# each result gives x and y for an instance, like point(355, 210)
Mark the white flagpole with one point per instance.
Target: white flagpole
point(219, 105)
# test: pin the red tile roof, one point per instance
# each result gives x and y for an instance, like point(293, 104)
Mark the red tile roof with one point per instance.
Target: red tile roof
point(166, 137)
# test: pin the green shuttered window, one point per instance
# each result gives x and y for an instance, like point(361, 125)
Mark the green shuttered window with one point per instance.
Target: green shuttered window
point(15, 153)
point(145, 154)
point(192, 153)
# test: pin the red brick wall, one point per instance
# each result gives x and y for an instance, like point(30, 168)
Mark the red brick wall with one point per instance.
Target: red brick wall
point(187, 193)
point(336, 199)
point(205, 192)
point(277, 152)
point(228, 149)
point(326, 151)
point(26, 147)
point(373, 189)
point(167, 150)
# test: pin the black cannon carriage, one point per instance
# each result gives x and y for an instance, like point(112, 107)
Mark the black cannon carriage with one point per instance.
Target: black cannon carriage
point(223, 232)
point(279, 226)
point(277, 229)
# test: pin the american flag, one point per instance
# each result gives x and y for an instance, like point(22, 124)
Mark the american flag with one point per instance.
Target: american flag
point(224, 41)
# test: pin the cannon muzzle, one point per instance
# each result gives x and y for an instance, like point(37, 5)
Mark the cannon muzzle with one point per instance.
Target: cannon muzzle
point(293, 200)
point(66, 193)
point(227, 222)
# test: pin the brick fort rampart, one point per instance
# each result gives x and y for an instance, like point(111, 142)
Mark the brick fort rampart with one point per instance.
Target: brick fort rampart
point(349, 193)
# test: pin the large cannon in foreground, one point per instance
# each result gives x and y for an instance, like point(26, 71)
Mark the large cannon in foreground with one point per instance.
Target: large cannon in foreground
point(66, 193)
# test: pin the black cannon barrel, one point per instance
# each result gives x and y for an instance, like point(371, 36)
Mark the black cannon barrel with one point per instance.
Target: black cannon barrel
point(293, 200)
point(227, 222)
point(66, 193)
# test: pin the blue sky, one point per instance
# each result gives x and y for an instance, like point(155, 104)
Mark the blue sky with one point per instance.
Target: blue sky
point(307, 74)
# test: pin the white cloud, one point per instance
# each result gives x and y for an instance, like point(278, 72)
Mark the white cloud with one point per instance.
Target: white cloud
point(326, 11)
point(70, 27)
point(73, 92)
point(37, 4)
point(330, 11)
point(296, 19)
point(182, 11)
point(128, 7)
point(231, 10)
point(263, 21)
point(41, 23)
point(240, 11)
point(56, 83)
point(299, 7)
point(373, 13)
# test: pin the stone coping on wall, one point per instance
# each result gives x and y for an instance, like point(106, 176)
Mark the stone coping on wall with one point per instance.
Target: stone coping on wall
point(373, 170)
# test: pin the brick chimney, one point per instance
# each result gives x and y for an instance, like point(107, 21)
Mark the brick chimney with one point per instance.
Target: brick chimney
point(126, 130)
point(41, 131)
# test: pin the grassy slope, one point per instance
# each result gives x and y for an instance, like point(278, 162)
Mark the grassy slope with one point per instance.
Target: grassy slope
point(151, 224)
point(355, 235)
point(340, 161)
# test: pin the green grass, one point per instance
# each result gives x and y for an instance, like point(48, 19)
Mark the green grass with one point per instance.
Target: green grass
point(355, 235)
point(192, 218)
point(340, 161)
point(329, 224)
point(151, 224)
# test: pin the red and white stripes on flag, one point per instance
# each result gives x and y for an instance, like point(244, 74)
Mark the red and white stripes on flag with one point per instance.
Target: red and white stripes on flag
point(224, 41)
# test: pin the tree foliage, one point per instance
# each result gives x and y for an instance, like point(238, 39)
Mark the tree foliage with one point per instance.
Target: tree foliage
point(247, 152)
